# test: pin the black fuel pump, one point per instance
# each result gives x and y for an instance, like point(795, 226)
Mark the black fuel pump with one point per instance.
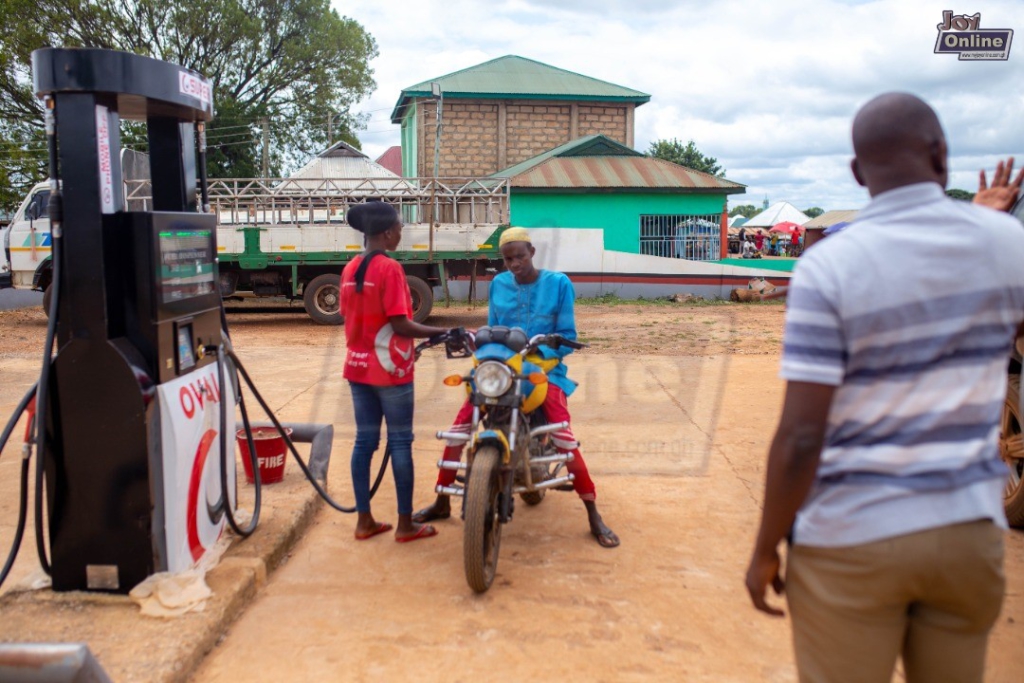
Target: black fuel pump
point(132, 405)
point(136, 411)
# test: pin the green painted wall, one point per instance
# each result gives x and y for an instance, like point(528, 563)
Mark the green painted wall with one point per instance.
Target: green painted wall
point(618, 214)
point(409, 142)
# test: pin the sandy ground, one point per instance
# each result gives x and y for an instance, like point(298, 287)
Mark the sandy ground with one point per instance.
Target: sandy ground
point(676, 408)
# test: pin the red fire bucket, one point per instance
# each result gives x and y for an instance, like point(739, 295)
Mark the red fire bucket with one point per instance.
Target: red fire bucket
point(271, 452)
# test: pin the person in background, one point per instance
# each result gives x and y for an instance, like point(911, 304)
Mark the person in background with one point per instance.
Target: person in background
point(884, 475)
point(748, 249)
point(379, 362)
point(759, 242)
point(538, 302)
point(774, 244)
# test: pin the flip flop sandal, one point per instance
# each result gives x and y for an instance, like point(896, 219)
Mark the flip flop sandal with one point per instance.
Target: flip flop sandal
point(429, 515)
point(425, 531)
point(606, 539)
point(382, 527)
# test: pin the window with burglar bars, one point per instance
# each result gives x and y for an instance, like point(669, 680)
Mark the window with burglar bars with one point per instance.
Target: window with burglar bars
point(691, 237)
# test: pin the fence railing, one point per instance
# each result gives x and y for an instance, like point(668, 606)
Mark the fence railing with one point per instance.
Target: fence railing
point(275, 201)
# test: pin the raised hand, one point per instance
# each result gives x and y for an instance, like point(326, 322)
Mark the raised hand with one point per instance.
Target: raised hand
point(1002, 195)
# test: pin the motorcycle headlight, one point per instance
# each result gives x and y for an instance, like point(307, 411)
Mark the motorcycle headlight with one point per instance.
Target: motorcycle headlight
point(492, 379)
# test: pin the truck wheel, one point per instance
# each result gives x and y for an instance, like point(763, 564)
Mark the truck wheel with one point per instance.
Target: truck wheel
point(1011, 448)
point(322, 298)
point(422, 298)
point(47, 296)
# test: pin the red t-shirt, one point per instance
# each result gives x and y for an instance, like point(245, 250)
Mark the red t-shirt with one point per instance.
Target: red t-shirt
point(376, 355)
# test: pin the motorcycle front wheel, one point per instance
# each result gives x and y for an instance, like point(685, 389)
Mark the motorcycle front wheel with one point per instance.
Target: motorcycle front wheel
point(482, 533)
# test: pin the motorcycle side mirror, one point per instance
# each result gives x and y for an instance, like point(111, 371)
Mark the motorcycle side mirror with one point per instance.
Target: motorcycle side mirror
point(537, 378)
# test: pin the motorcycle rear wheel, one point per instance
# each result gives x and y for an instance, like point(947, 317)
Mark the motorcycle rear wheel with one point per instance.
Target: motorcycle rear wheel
point(482, 533)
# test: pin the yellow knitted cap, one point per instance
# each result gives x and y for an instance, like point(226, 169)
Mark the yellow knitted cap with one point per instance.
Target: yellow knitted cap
point(513, 235)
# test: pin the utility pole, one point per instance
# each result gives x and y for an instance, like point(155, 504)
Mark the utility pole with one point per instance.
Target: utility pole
point(266, 146)
point(330, 130)
point(435, 90)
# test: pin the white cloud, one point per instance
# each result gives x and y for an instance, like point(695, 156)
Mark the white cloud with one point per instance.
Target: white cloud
point(767, 88)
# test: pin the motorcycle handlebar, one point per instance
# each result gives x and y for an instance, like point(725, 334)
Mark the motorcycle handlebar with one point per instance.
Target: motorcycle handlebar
point(554, 341)
point(458, 343)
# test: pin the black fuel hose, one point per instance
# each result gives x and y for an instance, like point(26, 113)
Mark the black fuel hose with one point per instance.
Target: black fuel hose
point(42, 405)
point(246, 531)
point(56, 211)
point(291, 446)
point(19, 532)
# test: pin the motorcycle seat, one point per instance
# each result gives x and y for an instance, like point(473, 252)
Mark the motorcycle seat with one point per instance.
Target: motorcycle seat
point(510, 337)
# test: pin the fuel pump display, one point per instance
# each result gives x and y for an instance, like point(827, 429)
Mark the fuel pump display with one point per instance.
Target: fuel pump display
point(187, 263)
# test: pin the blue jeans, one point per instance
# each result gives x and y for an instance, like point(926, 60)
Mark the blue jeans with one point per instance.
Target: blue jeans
point(372, 404)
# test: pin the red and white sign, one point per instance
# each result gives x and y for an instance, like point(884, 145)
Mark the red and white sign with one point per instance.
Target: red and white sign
point(194, 86)
point(103, 152)
point(190, 433)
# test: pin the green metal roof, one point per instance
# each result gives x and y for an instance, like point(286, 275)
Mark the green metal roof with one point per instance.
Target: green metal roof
point(516, 77)
point(598, 163)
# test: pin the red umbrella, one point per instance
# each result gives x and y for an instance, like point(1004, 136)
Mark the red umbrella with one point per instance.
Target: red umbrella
point(789, 228)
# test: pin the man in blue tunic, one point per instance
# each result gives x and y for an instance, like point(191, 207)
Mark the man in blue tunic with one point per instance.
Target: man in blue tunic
point(539, 302)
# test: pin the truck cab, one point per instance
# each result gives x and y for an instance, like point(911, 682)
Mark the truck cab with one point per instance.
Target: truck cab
point(27, 242)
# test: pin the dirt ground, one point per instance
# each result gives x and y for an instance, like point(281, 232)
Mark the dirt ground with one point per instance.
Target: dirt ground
point(675, 411)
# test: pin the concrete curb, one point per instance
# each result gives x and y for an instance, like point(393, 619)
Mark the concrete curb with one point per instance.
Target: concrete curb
point(135, 648)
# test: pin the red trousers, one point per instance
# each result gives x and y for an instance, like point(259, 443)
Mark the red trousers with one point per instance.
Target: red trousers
point(557, 410)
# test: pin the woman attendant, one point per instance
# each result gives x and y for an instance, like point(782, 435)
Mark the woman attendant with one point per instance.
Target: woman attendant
point(377, 306)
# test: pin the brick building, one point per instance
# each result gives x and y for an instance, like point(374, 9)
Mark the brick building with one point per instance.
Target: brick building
point(505, 111)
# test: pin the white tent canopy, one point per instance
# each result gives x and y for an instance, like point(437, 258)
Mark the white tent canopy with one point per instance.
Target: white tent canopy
point(779, 212)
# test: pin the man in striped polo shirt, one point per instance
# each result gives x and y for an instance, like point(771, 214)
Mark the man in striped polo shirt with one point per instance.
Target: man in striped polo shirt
point(884, 472)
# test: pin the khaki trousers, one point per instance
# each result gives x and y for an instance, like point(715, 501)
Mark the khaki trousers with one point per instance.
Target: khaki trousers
point(930, 597)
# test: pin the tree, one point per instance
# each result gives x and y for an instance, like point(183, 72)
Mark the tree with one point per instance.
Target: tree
point(962, 195)
point(292, 63)
point(685, 155)
point(813, 212)
point(745, 210)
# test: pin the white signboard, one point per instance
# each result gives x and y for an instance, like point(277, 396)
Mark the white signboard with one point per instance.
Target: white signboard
point(190, 430)
point(106, 170)
point(194, 86)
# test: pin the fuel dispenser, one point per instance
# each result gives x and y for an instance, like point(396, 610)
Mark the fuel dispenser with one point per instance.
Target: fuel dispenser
point(135, 414)
point(133, 402)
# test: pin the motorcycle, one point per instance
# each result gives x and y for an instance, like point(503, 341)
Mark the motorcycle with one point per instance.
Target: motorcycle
point(510, 451)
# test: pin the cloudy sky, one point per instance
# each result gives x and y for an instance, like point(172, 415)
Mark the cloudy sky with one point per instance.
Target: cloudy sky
point(769, 88)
